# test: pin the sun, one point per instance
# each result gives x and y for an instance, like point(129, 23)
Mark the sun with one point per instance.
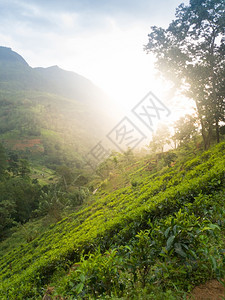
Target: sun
point(117, 63)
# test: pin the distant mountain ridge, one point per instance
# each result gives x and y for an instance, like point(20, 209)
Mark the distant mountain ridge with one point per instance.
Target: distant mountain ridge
point(9, 56)
point(65, 112)
point(14, 69)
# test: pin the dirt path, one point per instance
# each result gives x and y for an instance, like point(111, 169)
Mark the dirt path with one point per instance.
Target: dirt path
point(211, 290)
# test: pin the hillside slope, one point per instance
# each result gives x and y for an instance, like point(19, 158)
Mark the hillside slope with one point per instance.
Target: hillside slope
point(171, 224)
point(48, 114)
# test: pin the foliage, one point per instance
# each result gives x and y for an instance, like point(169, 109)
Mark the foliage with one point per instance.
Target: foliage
point(190, 53)
point(163, 231)
point(185, 129)
point(3, 160)
point(95, 275)
point(22, 197)
point(160, 139)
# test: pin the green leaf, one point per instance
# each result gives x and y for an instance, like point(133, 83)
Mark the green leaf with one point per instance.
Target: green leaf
point(167, 232)
point(179, 251)
point(175, 229)
point(214, 264)
point(82, 277)
point(214, 226)
point(193, 254)
point(79, 287)
point(170, 242)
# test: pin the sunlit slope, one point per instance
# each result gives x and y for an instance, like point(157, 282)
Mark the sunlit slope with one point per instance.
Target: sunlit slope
point(48, 114)
point(47, 127)
point(114, 219)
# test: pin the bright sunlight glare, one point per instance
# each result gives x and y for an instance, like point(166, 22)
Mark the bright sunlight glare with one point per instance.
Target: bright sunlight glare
point(107, 48)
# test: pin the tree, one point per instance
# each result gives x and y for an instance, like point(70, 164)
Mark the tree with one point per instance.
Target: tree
point(13, 163)
point(22, 195)
point(3, 160)
point(169, 158)
point(160, 139)
point(185, 129)
point(191, 53)
point(7, 208)
point(24, 168)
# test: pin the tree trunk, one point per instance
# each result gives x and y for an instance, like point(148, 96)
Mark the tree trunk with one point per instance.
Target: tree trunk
point(204, 137)
point(209, 137)
point(217, 131)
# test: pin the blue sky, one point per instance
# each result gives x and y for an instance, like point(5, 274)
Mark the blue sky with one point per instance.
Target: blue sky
point(102, 40)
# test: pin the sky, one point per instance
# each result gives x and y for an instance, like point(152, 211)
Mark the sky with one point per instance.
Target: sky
point(102, 40)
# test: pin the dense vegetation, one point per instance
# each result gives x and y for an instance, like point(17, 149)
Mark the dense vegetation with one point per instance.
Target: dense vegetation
point(160, 234)
point(25, 194)
point(34, 126)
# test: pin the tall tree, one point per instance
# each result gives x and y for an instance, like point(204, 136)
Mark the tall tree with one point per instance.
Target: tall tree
point(160, 139)
point(191, 53)
point(185, 129)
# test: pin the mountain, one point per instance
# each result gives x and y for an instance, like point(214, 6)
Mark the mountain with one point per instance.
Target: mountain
point(69, 84)
point(48, 114)
point(16, 72)
point(7, 56)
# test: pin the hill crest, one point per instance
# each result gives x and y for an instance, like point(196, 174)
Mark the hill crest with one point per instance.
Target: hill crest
point(7, 55)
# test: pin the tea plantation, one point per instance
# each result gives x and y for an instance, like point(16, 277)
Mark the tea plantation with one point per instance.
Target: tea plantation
point(156, 239)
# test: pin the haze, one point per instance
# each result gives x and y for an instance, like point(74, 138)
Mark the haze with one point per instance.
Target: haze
point(101, 40)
